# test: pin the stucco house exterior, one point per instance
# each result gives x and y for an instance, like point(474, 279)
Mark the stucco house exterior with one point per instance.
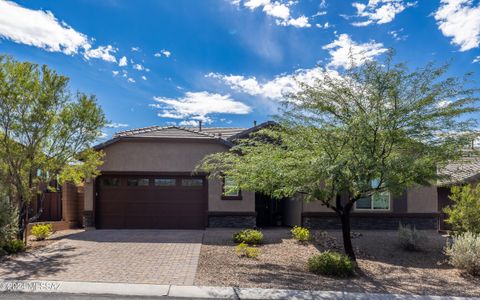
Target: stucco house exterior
point(147, 181)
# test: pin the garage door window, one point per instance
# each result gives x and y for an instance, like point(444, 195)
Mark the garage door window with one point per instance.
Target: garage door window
point(165, 182)
point(137, 181)
point(111, 181)
point(193, 182)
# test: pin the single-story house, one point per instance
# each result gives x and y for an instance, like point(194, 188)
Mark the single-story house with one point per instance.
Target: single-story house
point(461, 172)
point(147, 181)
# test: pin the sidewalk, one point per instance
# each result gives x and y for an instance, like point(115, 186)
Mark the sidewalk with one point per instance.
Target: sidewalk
point(188, 292)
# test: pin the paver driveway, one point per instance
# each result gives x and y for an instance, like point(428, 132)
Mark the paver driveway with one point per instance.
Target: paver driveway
point(135, 256)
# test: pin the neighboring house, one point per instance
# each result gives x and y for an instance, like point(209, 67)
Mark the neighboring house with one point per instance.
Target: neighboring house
point(461, 172)
point(147, 182)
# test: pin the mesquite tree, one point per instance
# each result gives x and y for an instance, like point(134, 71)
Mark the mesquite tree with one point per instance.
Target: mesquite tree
point(45, 133)
point(370, 129)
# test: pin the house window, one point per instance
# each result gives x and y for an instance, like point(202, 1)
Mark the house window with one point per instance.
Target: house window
point(193, 182)
point(378, 201)
point(137, 181)
point(230, 190)
point(165, 182)
point(111, 181)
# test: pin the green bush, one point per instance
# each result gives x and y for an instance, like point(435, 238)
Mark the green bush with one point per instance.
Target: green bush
point(243, 250)
point(409, 237)
point(248, 236)
point(42, 231)
point(464, 252)
point(301, 234)
point(8, 221)
point(331, 264)
point(14, 246)
point(463, 214)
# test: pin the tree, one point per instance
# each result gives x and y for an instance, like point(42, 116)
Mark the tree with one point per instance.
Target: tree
point(45, 132)
point(464, 213)
point(370, 129)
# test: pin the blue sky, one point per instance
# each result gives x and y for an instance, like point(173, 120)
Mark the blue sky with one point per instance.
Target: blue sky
point(226, 62)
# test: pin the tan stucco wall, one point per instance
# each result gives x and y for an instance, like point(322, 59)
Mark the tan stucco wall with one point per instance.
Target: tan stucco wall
point(422, 200)
point(166, 156)
point(216, 204)
point(315, 206)
point(88, 195)
point(157, 156)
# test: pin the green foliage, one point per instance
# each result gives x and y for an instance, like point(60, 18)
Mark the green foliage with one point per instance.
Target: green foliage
point(464, 213)
point(45, 130)
point(331, 264)
point(42, 231)
point(243, 250)
point(14, 246)
point(464, 252)
point(301, 234)
point(409, 237)
point(374, 123)
point(248, 236)
point(8, 221)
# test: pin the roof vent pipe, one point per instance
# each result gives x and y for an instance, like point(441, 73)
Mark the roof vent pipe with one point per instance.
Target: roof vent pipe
point(254, 123)
point(199, 125)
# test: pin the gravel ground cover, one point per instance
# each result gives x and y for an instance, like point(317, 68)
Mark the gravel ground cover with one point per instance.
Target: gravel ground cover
point(384, 267)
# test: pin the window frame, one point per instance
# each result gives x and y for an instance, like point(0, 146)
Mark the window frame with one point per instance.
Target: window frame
point(175, 182)
point(230, 197)
point(138, 179)
point(372, 209)
point(191, 186)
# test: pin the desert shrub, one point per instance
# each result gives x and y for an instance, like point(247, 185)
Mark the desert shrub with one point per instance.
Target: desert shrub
point(301, 234)
point(243, 250)
point(331, 264)
point(248, 236)
point(42, 231)
point(463, 213)
point(464, 252)
point(8, 221)
point(409, 237)
point(14, 246)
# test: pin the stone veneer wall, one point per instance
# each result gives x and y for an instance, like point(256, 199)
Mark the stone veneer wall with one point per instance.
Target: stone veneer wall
point(232, 221)
point(422, 222)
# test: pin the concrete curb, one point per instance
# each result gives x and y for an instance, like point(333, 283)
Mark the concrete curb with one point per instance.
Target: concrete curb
point(193, 292)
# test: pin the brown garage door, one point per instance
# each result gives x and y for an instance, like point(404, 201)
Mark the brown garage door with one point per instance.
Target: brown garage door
point(151, 202)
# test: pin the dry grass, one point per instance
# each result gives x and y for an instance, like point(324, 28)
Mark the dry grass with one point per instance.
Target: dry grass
point(384, 267)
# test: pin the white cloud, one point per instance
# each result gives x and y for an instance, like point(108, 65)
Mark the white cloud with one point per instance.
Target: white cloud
point(343, 50)
point(476, 59)
point(163, 52)
point(398, 35)
point(123, 62)
point(102, 52)
point(41, 29)
point(115, 73)
point(444, 103)
point(199, 106)
point(460, 20)
point(144, 77)
point(379, 11)
point(274, 89)
point(279, 10)
point(138, 67)
point(135, 49)
point(166, 53)
point(131, 80)
point(324, 26)
point(116, 125)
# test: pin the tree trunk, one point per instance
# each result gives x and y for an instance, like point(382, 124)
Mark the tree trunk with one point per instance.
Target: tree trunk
point(346, 232)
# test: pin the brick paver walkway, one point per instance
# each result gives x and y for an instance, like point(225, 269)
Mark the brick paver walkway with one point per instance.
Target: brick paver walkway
point(134, 256)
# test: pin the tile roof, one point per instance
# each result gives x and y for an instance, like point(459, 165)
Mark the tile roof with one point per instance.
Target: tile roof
point(180, 132)
point(466, 169)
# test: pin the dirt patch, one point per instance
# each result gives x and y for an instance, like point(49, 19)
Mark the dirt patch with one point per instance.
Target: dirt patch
point(33, 244)
point(384, 267)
